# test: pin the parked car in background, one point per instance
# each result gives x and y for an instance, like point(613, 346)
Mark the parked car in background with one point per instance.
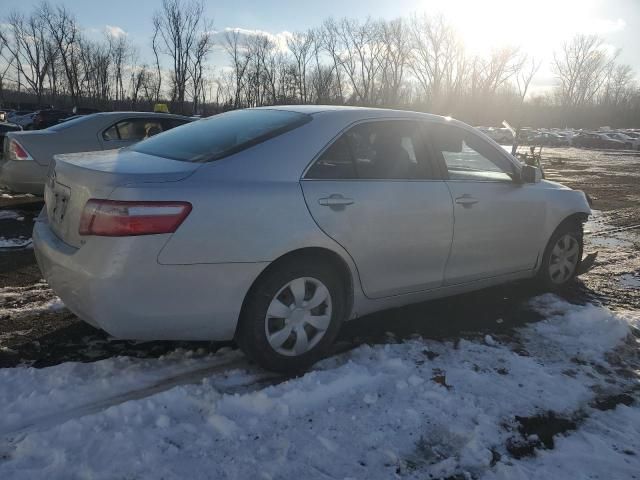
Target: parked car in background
point(596, 140)
point(84, 110)
point(4, 128)
point(25, 120)
point(13, 115)
point(274, 225)
point(47, 118)
point(502, 136)
point(630, 142)
point(28, 154)
point(549, 139)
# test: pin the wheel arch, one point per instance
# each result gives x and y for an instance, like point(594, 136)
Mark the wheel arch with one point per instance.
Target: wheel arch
point(309, 254)
point(575, 218)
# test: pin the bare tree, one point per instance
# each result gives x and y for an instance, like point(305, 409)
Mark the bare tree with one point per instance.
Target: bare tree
point(178, 28)
point(397, 47)
point(433, 52)
point(26, 47)
point(360, 58)
point(120, 53)
point(65, 35)
point(619, 85)
point(301, 47)
point(237, 51)
point(196, 63)
point(581, 66)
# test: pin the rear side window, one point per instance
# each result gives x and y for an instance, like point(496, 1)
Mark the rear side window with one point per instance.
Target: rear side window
point(335, 162)
point(71, 123)
point(221, 135)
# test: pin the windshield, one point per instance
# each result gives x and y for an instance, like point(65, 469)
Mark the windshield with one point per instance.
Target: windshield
point(221, 135)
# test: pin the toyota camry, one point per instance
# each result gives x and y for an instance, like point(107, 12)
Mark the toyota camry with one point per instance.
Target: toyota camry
point(272, 226)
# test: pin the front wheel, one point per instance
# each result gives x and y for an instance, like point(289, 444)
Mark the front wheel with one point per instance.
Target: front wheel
point(562, 257)
point(292, 316)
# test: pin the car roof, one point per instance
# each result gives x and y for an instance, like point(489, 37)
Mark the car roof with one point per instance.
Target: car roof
point(137, 114)
point(359, 113)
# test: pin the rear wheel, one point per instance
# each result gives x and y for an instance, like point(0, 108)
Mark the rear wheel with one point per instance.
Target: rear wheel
point(562, 257)
point(292, 316)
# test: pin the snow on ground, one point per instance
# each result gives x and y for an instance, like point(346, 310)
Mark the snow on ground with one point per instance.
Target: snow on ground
point(10, 215)
point(410, 409)
point(630, 281)
point(31, 300)
point(15, 242)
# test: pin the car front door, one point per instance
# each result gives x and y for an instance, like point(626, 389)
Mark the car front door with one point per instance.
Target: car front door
point(498, 221)
point(374, 192)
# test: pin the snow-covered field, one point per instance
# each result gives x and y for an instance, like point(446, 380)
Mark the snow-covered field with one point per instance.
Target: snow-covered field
point(479, 407)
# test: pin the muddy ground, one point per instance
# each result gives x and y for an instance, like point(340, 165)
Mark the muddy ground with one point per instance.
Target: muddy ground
point(35, 330)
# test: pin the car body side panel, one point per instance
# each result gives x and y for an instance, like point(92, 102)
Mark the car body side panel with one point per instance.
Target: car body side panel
point(398, 232)
point(236, 222)
point(500, 234)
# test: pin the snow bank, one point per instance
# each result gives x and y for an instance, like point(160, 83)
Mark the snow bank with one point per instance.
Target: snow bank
point(416, 408)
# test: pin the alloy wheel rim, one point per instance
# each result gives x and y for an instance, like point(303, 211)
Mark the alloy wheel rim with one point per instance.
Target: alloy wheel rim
point(298, 316)
point(564, 259)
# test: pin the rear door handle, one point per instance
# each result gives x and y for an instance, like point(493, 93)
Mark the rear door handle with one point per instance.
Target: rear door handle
point(466, 200)
point(335, 200)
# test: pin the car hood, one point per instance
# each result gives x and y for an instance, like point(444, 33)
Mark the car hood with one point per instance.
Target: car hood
point(548, 184)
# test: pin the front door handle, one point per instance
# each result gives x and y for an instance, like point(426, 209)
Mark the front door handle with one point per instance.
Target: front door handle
point(466, 200)
point(335, 200)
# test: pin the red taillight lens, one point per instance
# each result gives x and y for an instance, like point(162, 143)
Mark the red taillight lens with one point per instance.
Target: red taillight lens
point(17, 151)
point(112, 218)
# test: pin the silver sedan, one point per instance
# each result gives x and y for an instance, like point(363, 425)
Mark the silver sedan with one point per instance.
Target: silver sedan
point(272, 226)
point(24, 165)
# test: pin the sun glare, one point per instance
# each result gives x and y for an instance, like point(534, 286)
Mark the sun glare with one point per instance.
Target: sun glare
point(537, 27)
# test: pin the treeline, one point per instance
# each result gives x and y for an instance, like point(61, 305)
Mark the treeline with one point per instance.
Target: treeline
point(418, 63)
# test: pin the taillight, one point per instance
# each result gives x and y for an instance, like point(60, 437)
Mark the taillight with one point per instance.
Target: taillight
point(17, 151)
point(113, 218)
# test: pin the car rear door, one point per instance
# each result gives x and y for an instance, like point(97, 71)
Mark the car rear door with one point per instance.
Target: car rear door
point(498, 221)
point(375, 193)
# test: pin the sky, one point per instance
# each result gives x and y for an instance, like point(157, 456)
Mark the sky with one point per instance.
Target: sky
point(537, 26)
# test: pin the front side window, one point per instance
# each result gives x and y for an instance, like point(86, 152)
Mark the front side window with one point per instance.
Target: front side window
point(133, 130)
point(375, 150)
point(467, 156)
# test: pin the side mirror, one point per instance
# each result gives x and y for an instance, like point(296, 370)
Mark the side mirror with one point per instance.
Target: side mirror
point(530, 174)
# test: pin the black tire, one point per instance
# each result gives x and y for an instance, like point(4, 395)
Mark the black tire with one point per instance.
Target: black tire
point(251, 334)
point(573, 229)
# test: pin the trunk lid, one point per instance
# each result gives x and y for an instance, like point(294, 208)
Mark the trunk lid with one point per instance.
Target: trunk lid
point(75, 178)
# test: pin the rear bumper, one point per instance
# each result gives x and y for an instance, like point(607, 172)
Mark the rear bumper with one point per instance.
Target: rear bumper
point(23, 176)
point(117, 284)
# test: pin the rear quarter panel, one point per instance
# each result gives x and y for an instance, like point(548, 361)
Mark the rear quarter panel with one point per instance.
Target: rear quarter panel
point(241, 222)
point(43, 145)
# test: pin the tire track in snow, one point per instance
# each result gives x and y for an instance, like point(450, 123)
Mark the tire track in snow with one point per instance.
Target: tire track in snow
point(51, 420)
point(259, 380)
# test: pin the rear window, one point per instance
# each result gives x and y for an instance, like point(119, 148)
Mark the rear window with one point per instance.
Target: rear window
point(72, 122)
point(221, 135)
